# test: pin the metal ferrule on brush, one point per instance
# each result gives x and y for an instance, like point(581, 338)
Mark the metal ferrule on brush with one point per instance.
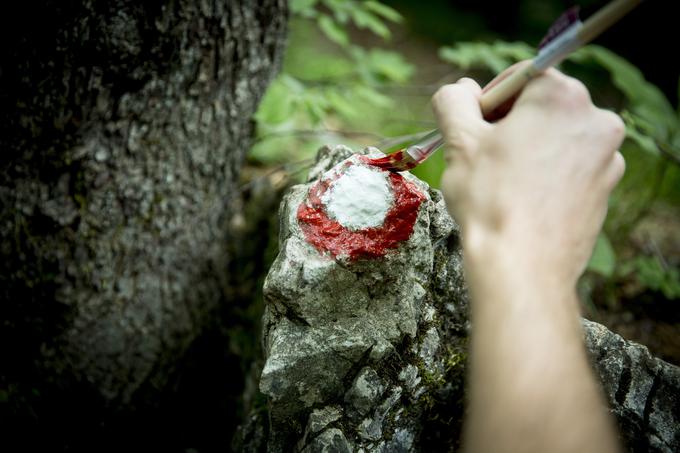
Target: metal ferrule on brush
point(425, 147)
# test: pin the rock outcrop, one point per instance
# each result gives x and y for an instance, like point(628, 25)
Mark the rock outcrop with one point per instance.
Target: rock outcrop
point(368, 354)
point(643, 391)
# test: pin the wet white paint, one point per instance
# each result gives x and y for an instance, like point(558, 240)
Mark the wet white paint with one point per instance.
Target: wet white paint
point(360, 198)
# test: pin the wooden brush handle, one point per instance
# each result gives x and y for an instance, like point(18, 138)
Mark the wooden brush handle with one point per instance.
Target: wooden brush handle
point(506, 88)
point(591, 28)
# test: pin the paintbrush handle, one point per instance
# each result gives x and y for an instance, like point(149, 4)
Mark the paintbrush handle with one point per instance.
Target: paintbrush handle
point(605, 18)
point(506, 88)
point(556, 51)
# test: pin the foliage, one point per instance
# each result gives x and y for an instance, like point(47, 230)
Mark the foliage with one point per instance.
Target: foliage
point(323, 86)
point(496, 57)
point(653, 273)
point(603, 260)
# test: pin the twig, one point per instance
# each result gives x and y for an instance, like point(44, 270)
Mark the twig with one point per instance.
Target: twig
point(391, 141)
point(665, 149)
point(317, 132)
point(659, 255)
point(303, 164)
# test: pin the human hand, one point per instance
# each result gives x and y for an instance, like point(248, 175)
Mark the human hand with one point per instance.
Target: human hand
point(534, 184)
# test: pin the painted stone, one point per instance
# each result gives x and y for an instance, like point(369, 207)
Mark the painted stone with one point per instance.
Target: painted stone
point(331, 313)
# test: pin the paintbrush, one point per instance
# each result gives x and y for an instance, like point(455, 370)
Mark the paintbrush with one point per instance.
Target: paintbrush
point(565, 35)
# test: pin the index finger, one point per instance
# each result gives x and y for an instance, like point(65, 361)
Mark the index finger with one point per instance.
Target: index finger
point(456, 107)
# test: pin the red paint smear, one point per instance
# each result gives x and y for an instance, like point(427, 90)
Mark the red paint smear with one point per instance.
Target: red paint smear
point(328, 235)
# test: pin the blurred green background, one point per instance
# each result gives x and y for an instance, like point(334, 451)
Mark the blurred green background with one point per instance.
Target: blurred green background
point(362, 73)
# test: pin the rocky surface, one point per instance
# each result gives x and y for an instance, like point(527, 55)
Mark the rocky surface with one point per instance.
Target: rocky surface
point(643, 391)
point(369, 355)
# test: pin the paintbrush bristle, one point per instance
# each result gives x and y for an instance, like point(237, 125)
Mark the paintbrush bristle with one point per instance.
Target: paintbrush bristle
point(395, 162)
point(563, 22)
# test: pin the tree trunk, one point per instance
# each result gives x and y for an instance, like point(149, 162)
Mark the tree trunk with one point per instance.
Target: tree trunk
point(123, 126)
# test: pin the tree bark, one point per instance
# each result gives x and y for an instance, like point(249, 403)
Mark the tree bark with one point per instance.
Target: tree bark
point(123, 126)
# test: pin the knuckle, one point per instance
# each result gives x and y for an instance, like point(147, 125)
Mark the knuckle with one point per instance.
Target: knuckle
point(617, 169)
point(443, 95)
point(617, 126)
point(620, 163)
point(450, 92)
point(613, 127)
point(555, 87)
point(573, 90)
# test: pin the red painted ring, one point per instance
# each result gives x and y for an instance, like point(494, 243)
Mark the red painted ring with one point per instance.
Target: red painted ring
point(329, 236)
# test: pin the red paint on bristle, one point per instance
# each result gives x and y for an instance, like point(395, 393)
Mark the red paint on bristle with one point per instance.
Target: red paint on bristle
point(328, 235)
point(387, 162)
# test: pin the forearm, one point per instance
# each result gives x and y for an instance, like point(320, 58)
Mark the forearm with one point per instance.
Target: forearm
point(531, 388)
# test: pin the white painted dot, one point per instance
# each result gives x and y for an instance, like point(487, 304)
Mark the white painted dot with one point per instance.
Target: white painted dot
point(360, 198)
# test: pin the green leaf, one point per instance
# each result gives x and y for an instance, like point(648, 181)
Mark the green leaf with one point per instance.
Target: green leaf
point(373, 97)
point(389, 65)
point(365, 19)
point(646, 100)
point(467, 55)
point(383, 10)
point(277, 104)
point(304, 8)
point(333, 31)
point(645, 142)
point(340, 8)
point(341, 105)
point(603, 259)
point(671, 285)
point(318, 66)
point(315, 104)
point(652, 274)
point(496, 57)
point(515, 51)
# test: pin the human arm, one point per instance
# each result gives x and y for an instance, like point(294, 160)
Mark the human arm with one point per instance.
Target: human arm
point(530, 193)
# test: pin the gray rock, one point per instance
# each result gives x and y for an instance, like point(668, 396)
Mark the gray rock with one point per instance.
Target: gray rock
point(370, 355)
point(318, 420)
point(429, 346)
point(330, 441)
point(332, 326)
point(324, 316)
point(643, 391)
point(409, 376)
point(371, 428)
point(365, 391)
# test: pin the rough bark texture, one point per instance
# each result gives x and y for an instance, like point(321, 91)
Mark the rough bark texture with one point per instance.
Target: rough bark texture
point(370, 355)
point(123, 126)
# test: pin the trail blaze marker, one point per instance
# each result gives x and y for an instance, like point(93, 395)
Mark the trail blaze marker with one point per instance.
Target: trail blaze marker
point(330, 231)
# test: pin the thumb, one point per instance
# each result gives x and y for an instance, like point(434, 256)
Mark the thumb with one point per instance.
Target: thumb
point(456, 107)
